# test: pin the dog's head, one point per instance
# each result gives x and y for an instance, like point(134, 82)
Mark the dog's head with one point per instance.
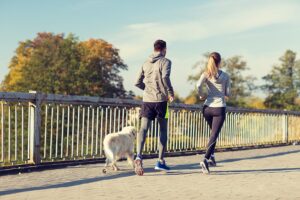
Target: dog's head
point(130, 129)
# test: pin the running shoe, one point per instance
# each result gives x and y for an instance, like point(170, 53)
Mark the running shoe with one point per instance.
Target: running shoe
point(161, 165)
point(204, 166)
point(138, 167)
point(212, 161)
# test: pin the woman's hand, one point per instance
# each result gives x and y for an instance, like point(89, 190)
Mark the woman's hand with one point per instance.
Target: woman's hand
point(226, 98)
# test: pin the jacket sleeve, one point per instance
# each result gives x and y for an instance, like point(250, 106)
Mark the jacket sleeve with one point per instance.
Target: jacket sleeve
point(165, 74)
point(139, 83)
point(200, 83)
point(227, 87)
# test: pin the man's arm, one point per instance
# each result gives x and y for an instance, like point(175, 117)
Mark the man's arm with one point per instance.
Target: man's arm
point(165, 73)
point(139, 83)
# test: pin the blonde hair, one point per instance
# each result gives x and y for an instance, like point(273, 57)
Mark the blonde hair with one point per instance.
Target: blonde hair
point(212, 65)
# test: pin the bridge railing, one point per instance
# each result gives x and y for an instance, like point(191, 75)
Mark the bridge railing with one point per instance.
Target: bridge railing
point(39, 127)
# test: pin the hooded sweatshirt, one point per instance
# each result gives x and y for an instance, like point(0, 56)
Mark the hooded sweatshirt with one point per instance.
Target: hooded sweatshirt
point(217, 89)
point(154, 79)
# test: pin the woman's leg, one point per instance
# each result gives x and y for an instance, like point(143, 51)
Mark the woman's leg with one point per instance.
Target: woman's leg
point(207, 116)
point(217, 123)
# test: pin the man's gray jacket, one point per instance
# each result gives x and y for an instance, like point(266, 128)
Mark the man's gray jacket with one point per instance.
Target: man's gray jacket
point(154, 79)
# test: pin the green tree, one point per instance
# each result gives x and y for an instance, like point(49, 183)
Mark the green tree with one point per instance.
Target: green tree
point(241, 85)
point(53, 63)
point(282, 83)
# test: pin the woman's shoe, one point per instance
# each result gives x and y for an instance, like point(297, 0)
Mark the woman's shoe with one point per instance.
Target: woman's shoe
point(204, 166)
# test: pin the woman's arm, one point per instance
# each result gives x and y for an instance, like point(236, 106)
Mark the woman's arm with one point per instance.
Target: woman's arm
point(227, 88)
point(200, 83)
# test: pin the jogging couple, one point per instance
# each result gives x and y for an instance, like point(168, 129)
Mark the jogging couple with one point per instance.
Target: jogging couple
point(154, 80)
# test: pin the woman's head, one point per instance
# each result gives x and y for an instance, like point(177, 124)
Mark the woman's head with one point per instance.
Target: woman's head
point(213, 64)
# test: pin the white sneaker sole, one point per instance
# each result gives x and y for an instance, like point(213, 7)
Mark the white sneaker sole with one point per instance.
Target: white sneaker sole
point(203, 168)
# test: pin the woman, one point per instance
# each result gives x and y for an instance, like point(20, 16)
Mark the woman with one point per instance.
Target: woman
point(214, 108)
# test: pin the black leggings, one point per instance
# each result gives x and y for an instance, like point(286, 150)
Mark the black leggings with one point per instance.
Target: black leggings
point(215, 117)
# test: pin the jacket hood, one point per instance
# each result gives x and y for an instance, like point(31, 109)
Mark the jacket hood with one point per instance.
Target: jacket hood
point(155, 56)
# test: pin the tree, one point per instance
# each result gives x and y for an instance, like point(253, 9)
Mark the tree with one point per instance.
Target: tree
point(57, 64)
point(282, 83)
point(241, 86)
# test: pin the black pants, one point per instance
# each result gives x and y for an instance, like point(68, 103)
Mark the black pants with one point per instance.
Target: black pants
point(215, 118)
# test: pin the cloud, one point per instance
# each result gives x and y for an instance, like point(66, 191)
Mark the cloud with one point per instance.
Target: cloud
point(227, 18)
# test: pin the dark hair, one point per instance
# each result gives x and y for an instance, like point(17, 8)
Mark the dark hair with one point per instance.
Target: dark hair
point(159, 45)
point(216, 56)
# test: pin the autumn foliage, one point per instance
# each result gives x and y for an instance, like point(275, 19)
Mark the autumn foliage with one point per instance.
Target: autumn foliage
point(53, 63)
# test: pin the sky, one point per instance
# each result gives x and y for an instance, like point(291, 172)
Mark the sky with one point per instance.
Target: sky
point(258, 30)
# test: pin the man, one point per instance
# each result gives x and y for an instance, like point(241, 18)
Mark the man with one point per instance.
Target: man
point(154, 79)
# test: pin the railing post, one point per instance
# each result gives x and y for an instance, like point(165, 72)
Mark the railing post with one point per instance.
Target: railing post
point(35, 129)
point(285, 128)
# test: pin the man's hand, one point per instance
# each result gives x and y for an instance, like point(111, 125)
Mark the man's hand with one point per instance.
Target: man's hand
point(171, 99)
point(202, 98)
point(226, 98)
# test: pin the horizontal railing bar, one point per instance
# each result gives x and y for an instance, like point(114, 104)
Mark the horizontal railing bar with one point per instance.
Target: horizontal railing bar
point(90, 100)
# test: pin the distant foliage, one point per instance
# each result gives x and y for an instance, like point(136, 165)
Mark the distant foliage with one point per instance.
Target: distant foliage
point(283, 83)
point(53, 63)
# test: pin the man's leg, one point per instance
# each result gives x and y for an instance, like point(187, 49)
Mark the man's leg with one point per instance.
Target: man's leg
point(163, 137)
point(141, 136)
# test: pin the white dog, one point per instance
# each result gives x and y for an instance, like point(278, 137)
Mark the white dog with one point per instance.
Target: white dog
point(119, 145)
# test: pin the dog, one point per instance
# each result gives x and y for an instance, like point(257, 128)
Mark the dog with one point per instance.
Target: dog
point(119, 145)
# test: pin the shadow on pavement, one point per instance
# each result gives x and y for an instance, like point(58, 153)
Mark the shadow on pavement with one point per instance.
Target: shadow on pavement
point(176, 170)
point(259, 157)
point(276, 170)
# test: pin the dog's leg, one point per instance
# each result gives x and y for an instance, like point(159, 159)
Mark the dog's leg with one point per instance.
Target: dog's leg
point(114, 163)
point(115, 167)
point(107, 161)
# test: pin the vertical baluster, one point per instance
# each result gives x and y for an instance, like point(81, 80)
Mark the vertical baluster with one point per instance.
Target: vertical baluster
point(57, 127)
point(82, 131)
point(123, 116)
point(110, 119)
point(101, 131)
point(78, 130)
point(62, 132)
point(97, 130)
point(51, 132)
point(73, 129)
point(16, 133)
point(22, 132)
point(68, 131)
point(45, 133)
point(2, 133)
point(9, 134)
point(87, 131)
point(92, 132)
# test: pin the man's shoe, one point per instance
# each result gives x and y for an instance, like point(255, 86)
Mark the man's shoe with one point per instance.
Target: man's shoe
point(161, 165)
point(138, 167)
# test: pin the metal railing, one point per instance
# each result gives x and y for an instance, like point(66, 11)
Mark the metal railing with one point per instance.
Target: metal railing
point(39, 127)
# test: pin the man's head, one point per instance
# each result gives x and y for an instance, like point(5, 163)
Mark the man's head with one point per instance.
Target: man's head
point(160, 46)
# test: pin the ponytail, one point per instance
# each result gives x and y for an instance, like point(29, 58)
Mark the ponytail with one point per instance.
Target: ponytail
point(212, 65)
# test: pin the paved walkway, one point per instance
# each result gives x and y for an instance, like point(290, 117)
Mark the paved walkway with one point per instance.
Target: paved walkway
point(272, 173)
